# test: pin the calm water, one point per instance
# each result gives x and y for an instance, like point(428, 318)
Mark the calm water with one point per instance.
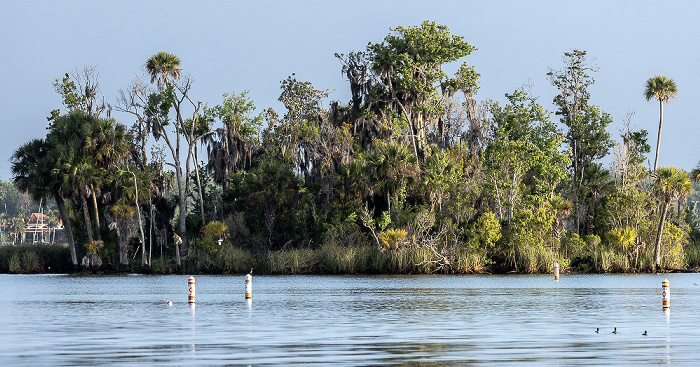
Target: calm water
point(349, 320)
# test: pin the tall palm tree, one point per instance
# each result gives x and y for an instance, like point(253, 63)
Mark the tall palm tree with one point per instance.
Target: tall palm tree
point(106, 143)
point(671, 183)
point(33, 172)
point(662, 89)
point(85, 149)
point(162, 66)
point(83, 176)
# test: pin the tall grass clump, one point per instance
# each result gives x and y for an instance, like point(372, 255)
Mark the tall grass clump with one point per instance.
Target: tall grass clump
point(471, 262)
point(14, 263)
point(536, 259)
point(162, 265)
point(691, 255)
point(336, 259)
point(607, 260)
point(410, 260)
point(235, 260)
point(295, 261)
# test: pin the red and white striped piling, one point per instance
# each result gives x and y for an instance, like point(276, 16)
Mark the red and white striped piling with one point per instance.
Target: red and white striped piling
point(666, 294)
point(556, 271)
point(248, 286)
point(190, 284)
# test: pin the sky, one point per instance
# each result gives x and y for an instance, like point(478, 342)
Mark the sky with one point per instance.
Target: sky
point(231, 46)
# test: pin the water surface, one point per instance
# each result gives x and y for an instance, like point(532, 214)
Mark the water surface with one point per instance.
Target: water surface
point(349, 320)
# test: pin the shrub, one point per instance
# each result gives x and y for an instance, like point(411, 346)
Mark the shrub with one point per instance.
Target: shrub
point(392, 238)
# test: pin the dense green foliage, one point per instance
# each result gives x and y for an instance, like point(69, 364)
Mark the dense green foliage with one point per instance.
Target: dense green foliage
point(413, 175)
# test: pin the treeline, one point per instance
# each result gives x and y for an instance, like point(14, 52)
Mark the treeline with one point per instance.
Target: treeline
point(413, 167)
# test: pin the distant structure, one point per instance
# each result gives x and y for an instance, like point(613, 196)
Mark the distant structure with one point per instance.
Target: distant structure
point(37, 229)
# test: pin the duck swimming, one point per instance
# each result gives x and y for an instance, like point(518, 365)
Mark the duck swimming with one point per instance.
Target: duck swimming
point(597, 330)
point(615, 331)
point(645, 333)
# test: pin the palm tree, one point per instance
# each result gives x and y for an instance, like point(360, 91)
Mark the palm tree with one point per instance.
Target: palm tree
point(622, 238)
point(84, 176)
point(107, 144)
point(354, 183)
point(439, 171)
point(85, 149)
point(695, 174)
point(662, 89)
point(162, 66)
point(33, 172)
point(276, 188)
point(16, 227)
point(392, 166)
point(672, 183)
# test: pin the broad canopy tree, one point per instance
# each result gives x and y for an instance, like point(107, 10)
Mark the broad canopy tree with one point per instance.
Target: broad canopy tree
point(586, 124)
point(409, 64)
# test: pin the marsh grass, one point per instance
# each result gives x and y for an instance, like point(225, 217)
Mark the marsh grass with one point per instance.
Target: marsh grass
point(334, 258)
point(606, 260)
point(163, 266)
point(235, 260)
point(470, 262)
point(295, 261)
point(691, 255)
point(537, 260)
point(34, 258)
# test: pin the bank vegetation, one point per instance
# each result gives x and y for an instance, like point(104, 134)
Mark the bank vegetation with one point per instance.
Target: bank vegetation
point(414, 174)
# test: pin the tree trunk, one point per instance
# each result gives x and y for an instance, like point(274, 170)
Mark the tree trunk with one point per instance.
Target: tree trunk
point(150, 232)
point(67, 227)
point(86, 215)
point(97, 217)
point(123, 234)
point(658, 138)
point(199, 186)
point(657, 247)
point(270, 216)
point(143, 240)
point(183, 213)
point(182, 201)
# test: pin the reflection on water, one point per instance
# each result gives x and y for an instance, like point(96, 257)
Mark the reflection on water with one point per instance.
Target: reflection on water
point(349, 320)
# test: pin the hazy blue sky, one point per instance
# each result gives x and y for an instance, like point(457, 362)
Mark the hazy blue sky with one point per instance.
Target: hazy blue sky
point(233, 46)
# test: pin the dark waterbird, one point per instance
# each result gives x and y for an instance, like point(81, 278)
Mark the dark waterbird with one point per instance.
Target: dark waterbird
point(615, 331)
point(645, 333)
